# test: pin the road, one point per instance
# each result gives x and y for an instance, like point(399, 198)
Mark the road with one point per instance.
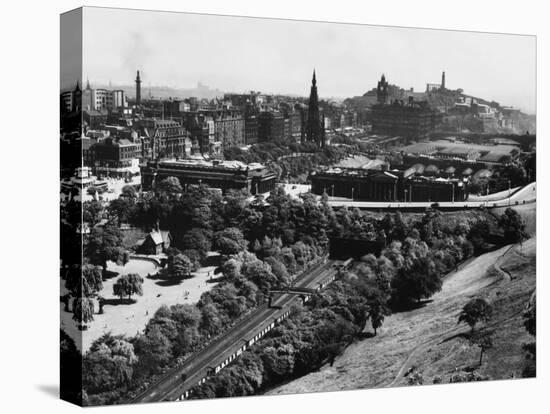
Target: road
point(170, 387)
point(527, 194)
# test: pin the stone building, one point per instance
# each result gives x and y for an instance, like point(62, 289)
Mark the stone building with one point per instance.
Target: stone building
point(164, 139)
point(223, 175)
point(271, 126)
point(387, 186)
point(410, 119)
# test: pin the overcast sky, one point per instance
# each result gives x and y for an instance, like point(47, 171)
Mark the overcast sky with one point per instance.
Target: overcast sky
point(278, 56)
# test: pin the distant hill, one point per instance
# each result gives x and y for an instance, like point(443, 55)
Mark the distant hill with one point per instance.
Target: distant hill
point(200, 91)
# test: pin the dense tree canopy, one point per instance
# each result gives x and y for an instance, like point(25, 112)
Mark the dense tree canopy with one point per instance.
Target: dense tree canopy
point(265, 246)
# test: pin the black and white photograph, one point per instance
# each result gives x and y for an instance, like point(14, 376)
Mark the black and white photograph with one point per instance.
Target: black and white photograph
point(256, 206)
point(278, 207)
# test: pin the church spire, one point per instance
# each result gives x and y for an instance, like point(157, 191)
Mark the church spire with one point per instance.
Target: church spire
point(314, 81)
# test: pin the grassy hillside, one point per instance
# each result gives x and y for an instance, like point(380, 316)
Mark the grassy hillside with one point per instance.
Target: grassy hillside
point(427, 342)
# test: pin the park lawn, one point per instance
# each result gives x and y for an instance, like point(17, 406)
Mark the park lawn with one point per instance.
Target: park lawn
point(130, 319)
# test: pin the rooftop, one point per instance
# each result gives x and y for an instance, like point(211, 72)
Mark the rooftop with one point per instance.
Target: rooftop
point(199, 162)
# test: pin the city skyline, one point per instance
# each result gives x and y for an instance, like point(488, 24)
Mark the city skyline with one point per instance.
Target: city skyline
point(278, 56)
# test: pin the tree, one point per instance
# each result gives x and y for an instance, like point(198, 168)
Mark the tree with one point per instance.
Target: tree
point(512, 225)
point(169, 186)
point(92, 212)
point(210, 322)
point(195, 257)
point(86, 281)
point(227, 301)
point(129, 191)
point(477, 234)
point(105, 244)
point(377, 308)
point(197, 239)
point(415, 281)
point(484, 343)
point(108, 364)
point(153, 350)
point(128, 285)
point(179, 266)
point(278, 362)
point(230, 241)
point(121, 209)
point(235, 203)
point(83, 311)
point(279, 270)
point(475, 311)
point(231, 269)
point(260, 274)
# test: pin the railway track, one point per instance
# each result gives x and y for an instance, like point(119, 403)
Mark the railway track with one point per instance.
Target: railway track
point(176, 382)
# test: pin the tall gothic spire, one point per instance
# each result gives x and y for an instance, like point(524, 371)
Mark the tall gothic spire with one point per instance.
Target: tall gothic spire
point(314, 123)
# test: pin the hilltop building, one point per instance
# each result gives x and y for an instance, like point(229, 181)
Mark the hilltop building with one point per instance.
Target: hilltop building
point(437, 86)
point(411, 119)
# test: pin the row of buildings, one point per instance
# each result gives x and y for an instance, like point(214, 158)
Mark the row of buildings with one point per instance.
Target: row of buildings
point(116, 134)
point(92, 99)
point(247, 119)
point(178, 128)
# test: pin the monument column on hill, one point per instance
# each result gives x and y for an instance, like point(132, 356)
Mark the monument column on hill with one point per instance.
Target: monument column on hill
point(138, 89)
